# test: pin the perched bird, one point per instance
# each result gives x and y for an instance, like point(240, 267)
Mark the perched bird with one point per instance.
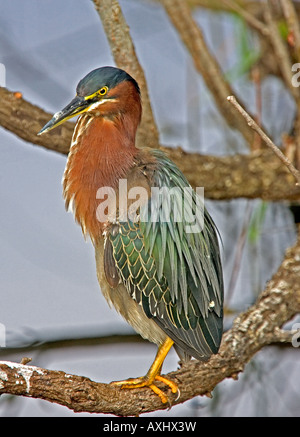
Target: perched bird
point(157, 252)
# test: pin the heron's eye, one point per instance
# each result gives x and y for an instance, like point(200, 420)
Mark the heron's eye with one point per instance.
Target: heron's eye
point(103, 91)
point(99, 93)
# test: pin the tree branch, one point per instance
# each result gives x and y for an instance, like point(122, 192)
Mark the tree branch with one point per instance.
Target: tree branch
point(265, 138)
point(25, 120)
point(123, 51)
point(280, 50)
point(205, 63)
point(259, 175)
point(251, 331)
point(254, 7)
point(292, 20)
point(248, 17)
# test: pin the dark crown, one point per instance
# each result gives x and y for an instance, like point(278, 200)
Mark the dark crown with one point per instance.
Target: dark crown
point(104, 76)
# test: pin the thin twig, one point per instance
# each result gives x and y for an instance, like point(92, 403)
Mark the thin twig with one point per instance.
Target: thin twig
point(205, 62)
point(123, 50)
point(292, 20)
point(280, 50)
point(248, 17)
point(265, 138)
point(256, 78)
point(293, 24)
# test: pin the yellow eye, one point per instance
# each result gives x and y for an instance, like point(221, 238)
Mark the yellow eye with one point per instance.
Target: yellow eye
point(98, 93)
point(103, 91)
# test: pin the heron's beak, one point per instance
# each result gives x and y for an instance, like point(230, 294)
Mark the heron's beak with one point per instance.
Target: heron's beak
point(75, 107)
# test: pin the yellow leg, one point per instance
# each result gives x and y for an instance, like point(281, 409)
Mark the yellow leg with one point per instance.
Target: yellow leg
point(153, 374)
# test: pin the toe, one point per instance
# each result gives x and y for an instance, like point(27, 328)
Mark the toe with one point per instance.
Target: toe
point(168, 382)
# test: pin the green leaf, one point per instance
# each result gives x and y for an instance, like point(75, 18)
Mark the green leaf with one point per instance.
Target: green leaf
point(257, 221)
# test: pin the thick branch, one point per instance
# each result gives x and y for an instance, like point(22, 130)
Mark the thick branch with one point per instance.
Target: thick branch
point(25, 120)
point(259, 175)
point(252, 330)
point(123, 51)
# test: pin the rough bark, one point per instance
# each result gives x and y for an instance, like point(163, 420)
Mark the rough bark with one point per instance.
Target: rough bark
point(25, 120)
point(122, 48)
point(258, 175)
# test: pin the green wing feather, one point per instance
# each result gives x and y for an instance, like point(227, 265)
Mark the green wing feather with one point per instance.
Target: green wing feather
point(175, 275)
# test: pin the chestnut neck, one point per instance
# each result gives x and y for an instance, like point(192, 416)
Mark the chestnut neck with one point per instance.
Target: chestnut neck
point(102, 152)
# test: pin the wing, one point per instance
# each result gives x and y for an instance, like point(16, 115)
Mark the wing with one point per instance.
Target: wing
point(169, 261)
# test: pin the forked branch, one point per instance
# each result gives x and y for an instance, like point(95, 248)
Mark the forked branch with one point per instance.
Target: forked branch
point(257, 327)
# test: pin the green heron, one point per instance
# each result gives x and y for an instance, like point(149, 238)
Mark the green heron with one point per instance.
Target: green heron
point(157, 252)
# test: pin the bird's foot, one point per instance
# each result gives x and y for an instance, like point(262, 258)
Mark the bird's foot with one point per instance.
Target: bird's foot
point(145, 381)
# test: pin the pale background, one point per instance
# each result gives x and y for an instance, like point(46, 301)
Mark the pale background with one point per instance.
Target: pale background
point(49, 289)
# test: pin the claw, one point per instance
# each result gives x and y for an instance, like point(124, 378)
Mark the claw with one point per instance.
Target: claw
point(171, 384)
point(144, 381)
point(153, 374)
point(157, 391)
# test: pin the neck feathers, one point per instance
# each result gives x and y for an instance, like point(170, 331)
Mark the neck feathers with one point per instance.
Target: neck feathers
point(102, 152)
